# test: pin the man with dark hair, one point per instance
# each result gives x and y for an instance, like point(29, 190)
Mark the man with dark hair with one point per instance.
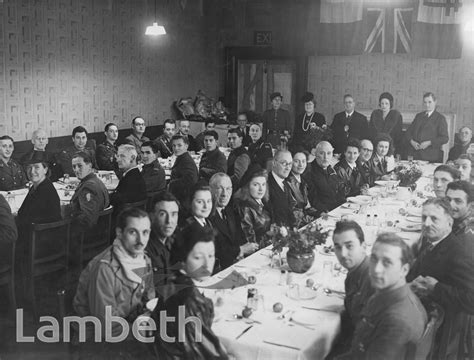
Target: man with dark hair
point(464, 165)
point(444, 273)
point(428, 132)
point(348, 168)
point(164, 217)
point(107, 151)
point(350, 249)
point(184, 131)
point(242, 124)
point(12, 175)
point(210, 126)
point(79, 139)
point(120, 277)
point(137, 137)
point(164, 141)
point(348, 124)
point(464, 139)
point(213, 160)
point(239, 159)
point(393, 320)
point(442, 176)
point(460, 195)
point(184, 174)
point(8, 230)
point(152, 172)
point(364, 163)
point(40, 140)
point(91, 196)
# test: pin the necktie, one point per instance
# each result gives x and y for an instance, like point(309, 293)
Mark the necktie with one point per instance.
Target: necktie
point(426, 248)
point(222, 213)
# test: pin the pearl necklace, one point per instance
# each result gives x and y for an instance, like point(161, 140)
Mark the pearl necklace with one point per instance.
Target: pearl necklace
point(309, 124)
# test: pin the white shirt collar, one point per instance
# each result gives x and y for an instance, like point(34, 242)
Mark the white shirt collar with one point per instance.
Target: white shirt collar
point(279, 180)
point(297, 176)
point(349, 114)
point(428, 113)
point(201, 222)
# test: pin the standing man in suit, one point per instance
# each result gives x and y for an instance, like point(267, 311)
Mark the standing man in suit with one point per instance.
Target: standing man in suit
point(444, 273)
point(136, 138)
point(132, 187)
point(276, 121)
point(164, 141)
point(230, 244)
point(184, 173)
point(428, 132)
point(107, 151)
point(281, 198)
point(348, 124)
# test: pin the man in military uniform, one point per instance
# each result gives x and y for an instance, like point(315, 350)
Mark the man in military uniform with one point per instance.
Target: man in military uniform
point(91, 196)
point(79, 139)
point(12, 176)
point(39, 152)
point(461, 195)
point(105, 153)
point(136, 138)
point(164, 141)
point(152, 172)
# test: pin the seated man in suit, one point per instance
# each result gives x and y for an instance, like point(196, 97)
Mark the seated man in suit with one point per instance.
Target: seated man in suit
point(348, 124)
point(107, 151)
point(349, 170)
point(442, 176)
point(460, 147)
point(164, 220)
point(152, 172)
point(444, 273)
point(132, 187)
point(39, 140)
point(79, 139)
point(281, 198)
point(393, 320)
point(213, 160)
point(230, 244)
point(460, 195)
point(12, 175)
point(326, 188)
point(363, 161)
point(137, 137)
point(184, 174)
point(164, 141)
point(184, 131)
point(210, 126)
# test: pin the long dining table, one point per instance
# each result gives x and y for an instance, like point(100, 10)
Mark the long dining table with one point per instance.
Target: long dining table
point(309, 321)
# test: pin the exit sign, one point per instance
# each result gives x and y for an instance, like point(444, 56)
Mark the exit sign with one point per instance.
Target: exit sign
point(262, 38)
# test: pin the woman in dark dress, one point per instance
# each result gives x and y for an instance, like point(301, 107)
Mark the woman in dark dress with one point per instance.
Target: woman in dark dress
point(260, 152)
point(252, 204)
point(387, 120)
point(42, 204)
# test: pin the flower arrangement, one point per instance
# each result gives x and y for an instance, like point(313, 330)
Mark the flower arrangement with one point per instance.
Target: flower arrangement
point(408, 174)
point(298, 241)
point(315, 135)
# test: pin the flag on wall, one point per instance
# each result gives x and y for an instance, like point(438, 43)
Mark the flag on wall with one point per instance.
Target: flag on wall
point(438, 29)
point(341, 30)
point(389, 25)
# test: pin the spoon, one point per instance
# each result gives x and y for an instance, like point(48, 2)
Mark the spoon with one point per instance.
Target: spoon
point(329, 292)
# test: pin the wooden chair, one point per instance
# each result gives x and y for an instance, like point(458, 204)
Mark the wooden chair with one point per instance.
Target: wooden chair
point(96, 239)
point(47, 253)
point(7, 271)
point(138, 204)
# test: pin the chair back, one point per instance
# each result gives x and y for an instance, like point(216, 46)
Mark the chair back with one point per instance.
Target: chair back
point(97, 238)
point(48, 247)
point(138, 204)
point(424, 348)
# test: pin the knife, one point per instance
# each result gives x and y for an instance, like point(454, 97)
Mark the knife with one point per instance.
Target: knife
point(319, 309)
point(243, 332)
point(276, 344)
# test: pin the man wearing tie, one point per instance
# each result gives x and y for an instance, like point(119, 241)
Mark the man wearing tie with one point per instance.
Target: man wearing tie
point(428, 132)
point(229, 241)
point(348, 124)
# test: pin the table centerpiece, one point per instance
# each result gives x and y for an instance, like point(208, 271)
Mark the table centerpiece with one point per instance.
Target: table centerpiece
point(408, 174)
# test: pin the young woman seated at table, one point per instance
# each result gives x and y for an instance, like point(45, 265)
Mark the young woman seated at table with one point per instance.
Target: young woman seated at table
point(252, 204)
point(199, 206)
point(378, 162)
point(196, 257)
point(42, 204)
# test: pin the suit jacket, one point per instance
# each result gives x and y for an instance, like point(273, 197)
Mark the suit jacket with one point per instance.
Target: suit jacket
point(425, 128)
point(160, 255)
point(282, 202)
point(457, 150)
point(154, 176)
point(132, 139)
point(260, 152)
point(229, 236)
point(184, 175)
point(105, 156)
point(164, 146)
point(352, 177)
point(392, 125)
point(451, 262)
point(211, 163)
point(358, 128)
point(299, 191)
point(8, 230)
point(377, 170)
point(131, 188)
point(237, 164)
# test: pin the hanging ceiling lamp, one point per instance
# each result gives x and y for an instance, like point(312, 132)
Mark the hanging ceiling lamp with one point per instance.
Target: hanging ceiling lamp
point(155, 29)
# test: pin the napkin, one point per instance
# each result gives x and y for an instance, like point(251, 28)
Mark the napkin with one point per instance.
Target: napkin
point(233, 280)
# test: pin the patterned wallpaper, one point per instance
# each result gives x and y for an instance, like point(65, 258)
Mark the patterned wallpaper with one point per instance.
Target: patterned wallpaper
point(65, 63)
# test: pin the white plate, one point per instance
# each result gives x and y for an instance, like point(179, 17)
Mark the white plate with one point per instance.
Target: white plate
point(352, 206)
point(411, 227)
point(386, 182)
point(414, 212)
point(360, 199)
point(151, 304)
point(305, 293)
point(307, 317)
point(413, 219)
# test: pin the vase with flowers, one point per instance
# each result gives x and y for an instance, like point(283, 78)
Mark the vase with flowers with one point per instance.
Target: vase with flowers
point(300, 243)
point(408, 174)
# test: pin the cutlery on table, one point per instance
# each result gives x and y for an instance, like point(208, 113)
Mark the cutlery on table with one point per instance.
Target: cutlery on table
point(243, 332)
point(330, 292)
point(320, 309)
point(282, 345)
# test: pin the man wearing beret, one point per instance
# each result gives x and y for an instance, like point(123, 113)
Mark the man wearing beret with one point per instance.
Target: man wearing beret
point(276, 121)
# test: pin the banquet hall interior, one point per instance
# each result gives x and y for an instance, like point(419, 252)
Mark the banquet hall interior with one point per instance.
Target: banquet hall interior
point(66, 64)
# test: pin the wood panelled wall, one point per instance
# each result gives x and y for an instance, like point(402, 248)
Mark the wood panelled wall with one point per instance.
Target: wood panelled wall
point(65, 63)
point(406, 77)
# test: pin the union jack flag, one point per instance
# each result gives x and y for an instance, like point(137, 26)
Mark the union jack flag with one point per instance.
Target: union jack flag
point(389, 26)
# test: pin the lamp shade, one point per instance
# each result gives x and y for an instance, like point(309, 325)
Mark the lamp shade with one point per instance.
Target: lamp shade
point(155, 30)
